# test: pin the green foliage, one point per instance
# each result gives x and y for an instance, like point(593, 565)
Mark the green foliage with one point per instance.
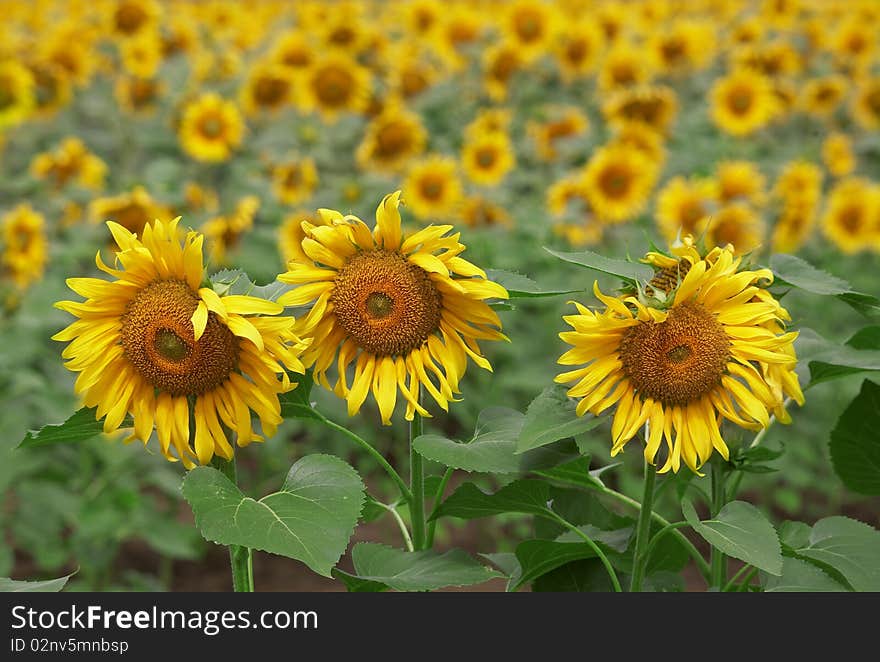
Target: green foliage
point(855, 443)
point(849, 548)
point(310, 519)
point(521, 287)
point(48, 586)
point(526, 496)
point(551, 417)
point(81, 426)
point(792, 270)
point(632, 272)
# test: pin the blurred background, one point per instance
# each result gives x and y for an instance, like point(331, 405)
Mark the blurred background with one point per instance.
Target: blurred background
point(571, 124)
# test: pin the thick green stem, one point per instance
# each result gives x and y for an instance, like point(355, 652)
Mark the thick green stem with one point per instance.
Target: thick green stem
point(719, 560)
point(240, 558)
point(417, 485)
point(376, 455)
point(643, 530)
point(401, 524)
point(733, 580)
point(615, 583)
point(438, 498)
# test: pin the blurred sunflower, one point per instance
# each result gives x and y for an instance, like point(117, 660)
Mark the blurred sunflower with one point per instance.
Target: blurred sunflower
point(211, 128)
point(586, 232)
point(294, 50)
point(391, 140)
point(410, 71)
point(421, 18)
point(837, 153)
point(200, 198)
point(624, 65)
point(460, 28)
point(489, 120)
point(795, 225)
point(822, 96)
point(69, 49)
point(224, 233)
point(52, 89)
point(335, 84)
point(158, 344)
point(142, 55)
point(403, 308)
point(138, 95)
point(642, 138)
point(477, 211)
point(130, 210)
point(682, 203)
point(295, 181)
point(683, 45)
point(531, 25)
point(710, 347)
point(500, 62)
point(128, 18)
point(617, 181)
point(25, 249)
point(566, 122)
point(566, 193)
point(269, 88)
point(740, 181)
point(854, 43)
point(742, 102)
point(799, 180)
point(851, 215)
point(653, 106)
point(291, 235)
point(487, 159)
point(737, 225)
point(432, 188)
point(866, 105)
point(71, 162)
point(16, 93)
point(578, 48)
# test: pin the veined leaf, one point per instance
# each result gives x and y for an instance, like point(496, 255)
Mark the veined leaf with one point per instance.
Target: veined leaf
point(631, 271)
point(855, 444)
point(521, 287)
point(551, 417)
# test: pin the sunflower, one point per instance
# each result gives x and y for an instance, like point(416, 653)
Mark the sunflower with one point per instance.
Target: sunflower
point(771, 58)
point(653, 106)
point(138, 95)
point(837, 153)
point(142, 55)
point(200, 198)
point(17, 98)
point(224, 233)
point(567, 195)
point(294, 50)
point(410, 71)
point(25, 249)
point(403, 308)
point(708, 344)
point(130, 210)
point(748, 30)
point(432, 188)
point(295, 181)
point(683, 203)
point(740, 181)
point(291, 235)
point(736, 225)
point(795, 224)
point(159, 344)
point(67, 49)
point(131, 17)
point(567, 122)
point(578, 48)
point(587, 232)
point(501, 62)
point(269, 88)
point(617, 181)
point(799, 180)
point(487, 160)
point(421, 18)
point(335, 83)
point(854, 42)
point(642, 138)
point(822, 96)
point(851, 215)
point(71, 162)
point(489, 120)
point(477, 211)
point(52, 89)
point(866, 105)
point(742, 102)
point(532, 25)
point(682, 46)
point(211, 128)
point(459, 29)
point(391, 140)
point(624, 65)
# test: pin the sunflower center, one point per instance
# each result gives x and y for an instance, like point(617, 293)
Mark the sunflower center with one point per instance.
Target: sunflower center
point(528, 26)
point(432, 187)
point(332, 86)
point(211, 127)
point(486, 158)
point(576, 51)
point(129, 18)
point(386, 304)
point(270, 91)
point(615, 182)
point(158, 341)
point(740, 101)
point(394, 138)
point(679, 360)
point(6, 97)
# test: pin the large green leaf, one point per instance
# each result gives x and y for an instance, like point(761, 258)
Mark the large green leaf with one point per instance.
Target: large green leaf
point(551, 417)
point(521, 496)
point(631, 271)
point(8, 585)
point(799, 576)
point(310, 519)
point(297, 403)
point(742, 531)
point(855, 443)
point(850, 547)
point(80, 427)
point(791, 270)
point(538, 557)
point(356, 584)
point(577, 472)
point(828, 360)
point(521, 287)
point(417, 571)
point(586, 576)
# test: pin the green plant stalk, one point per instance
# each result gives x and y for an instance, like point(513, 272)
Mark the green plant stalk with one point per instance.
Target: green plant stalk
point(401, 524)
point(744, 585)
point(604, 559)
point(417, 485)
point(643, 529)
point(438, 497)
point(732, 583)
point(718, 559)
point(376, 455)
point(240, 558)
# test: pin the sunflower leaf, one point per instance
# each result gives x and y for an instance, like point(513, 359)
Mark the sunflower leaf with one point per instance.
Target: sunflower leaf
point(310, 519)
point(8, 585)
point(297, 403)
point(527, 496)
point(79, 427)
point(634, 272)
point(791, 270)
point(551, 417)
point(521, 287)
point(848, 547)
point(828, 360)
point(855, 447)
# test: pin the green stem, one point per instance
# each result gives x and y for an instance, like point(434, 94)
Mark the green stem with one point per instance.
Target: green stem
point(719, 561)
point(729, 585)
point(682, 539)
point(240, 558)
point(417, 485)
point(376, 455)
point(655, 540)
point(643, 529)
point(744, 586)
point(400, 523)
point(608, 567)
point(438, 498)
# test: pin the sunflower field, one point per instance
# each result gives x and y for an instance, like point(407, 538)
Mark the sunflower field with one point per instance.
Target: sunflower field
point(416, 295)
